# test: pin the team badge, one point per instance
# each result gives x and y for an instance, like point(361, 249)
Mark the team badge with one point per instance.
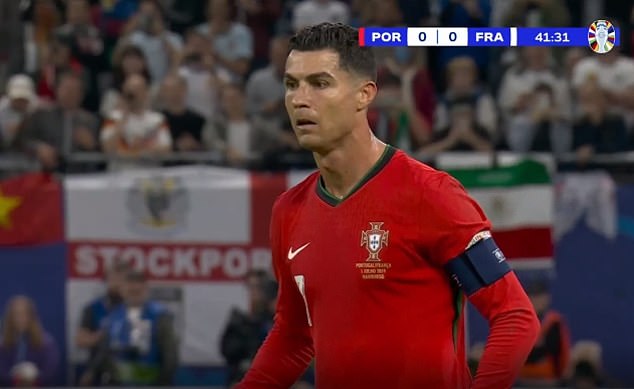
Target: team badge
point(374, 240)
point(601, 36)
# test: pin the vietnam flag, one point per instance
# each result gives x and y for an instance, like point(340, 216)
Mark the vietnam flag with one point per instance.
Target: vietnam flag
point(30, 210)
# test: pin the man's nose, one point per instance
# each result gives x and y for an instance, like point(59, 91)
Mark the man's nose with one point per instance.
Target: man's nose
point(301, 97)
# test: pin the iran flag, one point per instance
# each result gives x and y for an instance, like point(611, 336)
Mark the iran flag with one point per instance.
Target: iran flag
point(518, 199)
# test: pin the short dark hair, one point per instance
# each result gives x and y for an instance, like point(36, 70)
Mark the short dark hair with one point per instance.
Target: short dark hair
point(136, 276)
point(342, 39)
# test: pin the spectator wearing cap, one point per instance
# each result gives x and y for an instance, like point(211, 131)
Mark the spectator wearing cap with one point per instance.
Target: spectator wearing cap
point(139, 347)
point(19, 101)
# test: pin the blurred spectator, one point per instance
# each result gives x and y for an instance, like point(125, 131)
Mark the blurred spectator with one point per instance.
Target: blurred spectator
point(462, 133)
point(260, 17)
point(86, 46)
point(147, 31)
point(310, 12)
point(548, 361)
point(140, 346)
point(245, 331)
point(586, 371)
point(394, 120)
point(128, 60)
point(199, 69)
point(184, 14)
point(28, 354)
point(614, 73)
point(463, 87)
point(535, 102)
point(597, 130)
point(42, 17)
point(133, 130)
point(465, 13)
point(185, 126)
point(57, 59)
point(53, 134)
point(93, 316)
point(231, 41)
point(265, 98)
point(233, 132)
point(19, 101)
point(537, 13)
point(111, 16)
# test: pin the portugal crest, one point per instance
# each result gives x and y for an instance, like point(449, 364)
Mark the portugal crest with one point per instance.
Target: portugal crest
point(374, 239)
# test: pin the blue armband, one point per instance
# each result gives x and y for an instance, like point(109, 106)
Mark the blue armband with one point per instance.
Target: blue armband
point(479, 266)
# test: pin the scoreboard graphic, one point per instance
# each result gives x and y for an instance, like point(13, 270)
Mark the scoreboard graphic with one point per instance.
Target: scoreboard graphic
point(601, 36)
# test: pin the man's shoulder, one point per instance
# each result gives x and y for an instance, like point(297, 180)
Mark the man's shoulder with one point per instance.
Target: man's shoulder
point(425, 181)
point(296, 195)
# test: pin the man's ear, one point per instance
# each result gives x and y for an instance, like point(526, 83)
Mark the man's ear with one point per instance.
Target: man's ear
point(367, 93)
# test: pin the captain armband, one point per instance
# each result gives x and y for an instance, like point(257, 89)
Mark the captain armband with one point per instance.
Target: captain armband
point(481, 265)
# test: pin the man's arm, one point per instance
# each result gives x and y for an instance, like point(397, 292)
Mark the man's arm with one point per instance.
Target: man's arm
point(88, 334)
point(288, 349)
point(514, 328)
point(464, 246)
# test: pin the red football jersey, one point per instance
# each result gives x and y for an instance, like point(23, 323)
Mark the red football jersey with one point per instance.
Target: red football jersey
point(363, 286)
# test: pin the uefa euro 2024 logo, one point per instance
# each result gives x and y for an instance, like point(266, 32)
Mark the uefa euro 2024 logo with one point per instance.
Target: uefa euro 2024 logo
point(601, 36)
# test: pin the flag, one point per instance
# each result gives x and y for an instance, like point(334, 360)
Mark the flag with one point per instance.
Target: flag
point(519, 201)
point(30, 210)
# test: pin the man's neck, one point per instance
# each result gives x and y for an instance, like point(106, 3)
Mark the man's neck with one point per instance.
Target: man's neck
point(342, 168)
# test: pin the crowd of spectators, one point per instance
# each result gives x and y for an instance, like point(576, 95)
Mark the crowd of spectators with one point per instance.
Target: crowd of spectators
point(139, 82)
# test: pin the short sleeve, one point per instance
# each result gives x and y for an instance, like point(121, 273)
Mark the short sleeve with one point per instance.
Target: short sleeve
point(449, 218)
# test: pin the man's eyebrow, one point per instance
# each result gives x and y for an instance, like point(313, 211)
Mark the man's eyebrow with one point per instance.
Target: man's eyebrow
point(311, 76)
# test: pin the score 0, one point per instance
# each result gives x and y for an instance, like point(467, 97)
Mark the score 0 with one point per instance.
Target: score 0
point(437, 36)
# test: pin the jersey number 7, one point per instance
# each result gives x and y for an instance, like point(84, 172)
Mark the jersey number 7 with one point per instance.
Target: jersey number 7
point(301, 285)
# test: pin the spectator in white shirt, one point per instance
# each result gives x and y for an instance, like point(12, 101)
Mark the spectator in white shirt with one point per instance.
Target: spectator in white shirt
point(231, 41)
point(160, 46)
point(134, 130)
point(310, 12)
point(614, 73)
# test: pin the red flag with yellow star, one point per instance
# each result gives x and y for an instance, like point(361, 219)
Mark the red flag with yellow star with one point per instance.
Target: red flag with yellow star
point(30, 210)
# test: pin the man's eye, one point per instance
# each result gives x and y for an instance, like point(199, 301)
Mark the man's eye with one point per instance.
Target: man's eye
point(322, 84)
point(289, 84)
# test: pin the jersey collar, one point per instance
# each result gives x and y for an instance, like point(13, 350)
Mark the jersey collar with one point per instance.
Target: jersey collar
point(331, 200)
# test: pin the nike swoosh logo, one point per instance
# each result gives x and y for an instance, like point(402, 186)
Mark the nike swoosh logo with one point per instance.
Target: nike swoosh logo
point(292, 254)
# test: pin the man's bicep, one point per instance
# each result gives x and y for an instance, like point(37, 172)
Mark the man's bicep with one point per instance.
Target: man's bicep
point(452, 220)
point(482, 264)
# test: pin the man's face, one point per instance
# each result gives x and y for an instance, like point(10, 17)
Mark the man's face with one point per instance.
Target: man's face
point(69, 93)
point(173, 91)
point(321, 98)
point(135, 91)
point(115, 281)
point(135, 293)
point(77, 11)
point(20, 104)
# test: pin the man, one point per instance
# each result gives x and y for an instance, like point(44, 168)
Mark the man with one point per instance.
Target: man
point(19, 101)
point(53, 134)
point(369, 251)
point(94, 314)
point(139, 347)
point(133, 131)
